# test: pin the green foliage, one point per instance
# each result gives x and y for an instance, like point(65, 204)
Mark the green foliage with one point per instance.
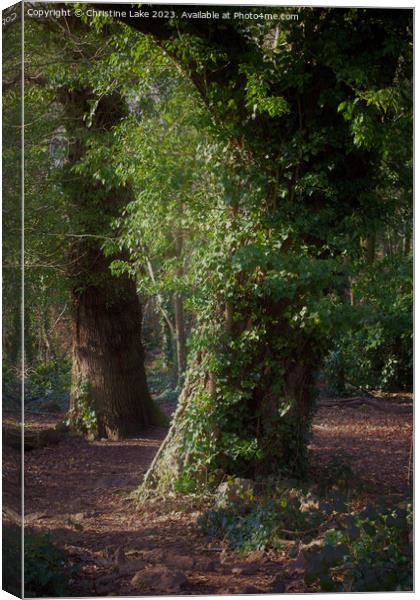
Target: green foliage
point(259, 100)
point(49, 380)
point(245, 533)
point(46, 572)
point(12, 559)
point(47, 385)
point(161, 383)
point(11, 387)
point(185, 484)
point(368, 550)
point(378, 355)
point(221, 431)
point(340, 473)
point(371, 552)
point(257, 524)
point(83, 415)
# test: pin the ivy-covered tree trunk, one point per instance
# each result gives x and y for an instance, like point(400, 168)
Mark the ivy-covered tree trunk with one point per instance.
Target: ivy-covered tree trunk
point(225, 425)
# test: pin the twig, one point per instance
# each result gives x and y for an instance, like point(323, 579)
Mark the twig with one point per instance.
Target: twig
point(304, 532)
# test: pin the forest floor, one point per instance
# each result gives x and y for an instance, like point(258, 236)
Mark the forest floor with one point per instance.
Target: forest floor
point(79, 492)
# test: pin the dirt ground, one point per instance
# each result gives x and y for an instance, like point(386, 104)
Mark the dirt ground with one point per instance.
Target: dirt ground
point(78, 491)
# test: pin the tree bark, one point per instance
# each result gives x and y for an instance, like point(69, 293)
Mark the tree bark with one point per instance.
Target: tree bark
point(108, 356)
point(178, 302)
point(181, 354)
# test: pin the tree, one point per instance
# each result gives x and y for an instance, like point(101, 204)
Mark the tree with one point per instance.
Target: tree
point(109, 395)
point(277, 96)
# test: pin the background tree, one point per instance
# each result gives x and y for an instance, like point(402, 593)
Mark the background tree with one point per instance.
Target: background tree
point(109, 389)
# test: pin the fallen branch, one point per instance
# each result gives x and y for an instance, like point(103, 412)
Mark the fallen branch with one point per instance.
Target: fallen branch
point(359, 387)
point(383, 404)
point(12, 437)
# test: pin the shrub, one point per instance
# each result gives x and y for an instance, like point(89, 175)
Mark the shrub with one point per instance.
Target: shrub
point(46, 571)
point(11, 388)
point(374, 349)
point(12, 562)
point(248, 525)
point(47, 385)
point(46, 567)
point(371, 552)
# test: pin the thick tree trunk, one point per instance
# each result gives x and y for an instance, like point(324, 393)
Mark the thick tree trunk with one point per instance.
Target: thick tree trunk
point(277, 416)
point(109, 395)
point(250, 417)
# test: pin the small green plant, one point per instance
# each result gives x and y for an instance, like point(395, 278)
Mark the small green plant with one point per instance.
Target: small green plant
point(47, 385)
point(46, 569)
point(244, 532)
point(50, 376)
point(83, 415)
point(161, 383)
point(185, 484)
point(371, 552)
point(248, 525)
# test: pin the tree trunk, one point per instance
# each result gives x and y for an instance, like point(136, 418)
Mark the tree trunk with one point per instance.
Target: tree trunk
point(181, 353)
point(110, 397)
point(369, 247)
point(276, 416)
point(181, 350)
